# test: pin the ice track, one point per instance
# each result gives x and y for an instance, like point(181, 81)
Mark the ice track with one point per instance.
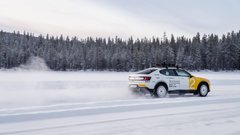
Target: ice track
point(219, 113)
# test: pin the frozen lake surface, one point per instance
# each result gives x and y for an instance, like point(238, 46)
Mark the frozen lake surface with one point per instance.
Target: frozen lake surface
point(49, 103)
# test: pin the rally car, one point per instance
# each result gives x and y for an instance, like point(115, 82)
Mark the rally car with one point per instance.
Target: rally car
point(161, 81)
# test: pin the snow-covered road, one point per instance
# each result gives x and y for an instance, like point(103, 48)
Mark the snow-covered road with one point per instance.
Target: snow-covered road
point(61, 104)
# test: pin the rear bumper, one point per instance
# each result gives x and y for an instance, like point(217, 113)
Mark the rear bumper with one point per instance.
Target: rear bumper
point(139, 88)
point(135, 85)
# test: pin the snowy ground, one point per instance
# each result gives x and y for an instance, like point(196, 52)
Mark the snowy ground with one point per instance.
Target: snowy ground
point(73, 103)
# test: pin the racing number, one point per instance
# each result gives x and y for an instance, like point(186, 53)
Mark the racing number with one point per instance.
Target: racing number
point(192, 82)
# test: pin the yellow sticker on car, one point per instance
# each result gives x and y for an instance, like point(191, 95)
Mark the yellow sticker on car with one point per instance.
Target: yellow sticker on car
point(141, 85)
point(195, 81)
point(192, 83)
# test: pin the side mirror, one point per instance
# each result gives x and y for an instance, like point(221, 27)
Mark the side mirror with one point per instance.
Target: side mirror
point(191, 76)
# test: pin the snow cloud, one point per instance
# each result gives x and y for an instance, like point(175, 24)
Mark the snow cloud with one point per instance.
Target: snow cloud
point(20, 89)
point(34, 64)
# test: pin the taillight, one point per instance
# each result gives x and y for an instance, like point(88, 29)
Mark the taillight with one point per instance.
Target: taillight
point(139, 78)
point(147, 78)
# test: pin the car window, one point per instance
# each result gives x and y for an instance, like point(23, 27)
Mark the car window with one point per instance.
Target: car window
point(182, 73)
point(168, 72)
point(146, 71)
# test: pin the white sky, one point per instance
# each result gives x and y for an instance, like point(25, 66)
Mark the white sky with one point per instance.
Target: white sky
point(123, 18)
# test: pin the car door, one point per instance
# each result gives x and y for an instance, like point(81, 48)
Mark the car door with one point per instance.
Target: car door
point(171, 79)
point(183, 78)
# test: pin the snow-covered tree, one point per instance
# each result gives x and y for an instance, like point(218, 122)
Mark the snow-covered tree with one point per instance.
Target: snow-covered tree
point(60, 53)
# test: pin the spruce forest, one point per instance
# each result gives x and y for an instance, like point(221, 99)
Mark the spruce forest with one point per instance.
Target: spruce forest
point(115, 54)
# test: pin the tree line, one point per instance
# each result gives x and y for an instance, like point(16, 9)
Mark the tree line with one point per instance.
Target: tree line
point(197, 53)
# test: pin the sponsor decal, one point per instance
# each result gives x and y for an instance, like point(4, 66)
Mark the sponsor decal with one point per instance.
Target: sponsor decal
point(173, 83)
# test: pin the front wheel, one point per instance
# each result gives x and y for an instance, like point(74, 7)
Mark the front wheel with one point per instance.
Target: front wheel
point(161, 91)
point(203, 90)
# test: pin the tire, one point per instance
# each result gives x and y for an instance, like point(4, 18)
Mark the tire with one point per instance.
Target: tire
point(203, 90)
point(161, 91)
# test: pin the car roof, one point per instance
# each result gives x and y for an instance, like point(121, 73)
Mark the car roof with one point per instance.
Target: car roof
point(160, 68)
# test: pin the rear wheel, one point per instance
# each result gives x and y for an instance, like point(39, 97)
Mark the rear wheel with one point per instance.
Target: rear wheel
point(203, 90)
point(161, 91)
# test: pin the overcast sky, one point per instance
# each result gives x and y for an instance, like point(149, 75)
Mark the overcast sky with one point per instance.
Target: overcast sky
point(123, 18)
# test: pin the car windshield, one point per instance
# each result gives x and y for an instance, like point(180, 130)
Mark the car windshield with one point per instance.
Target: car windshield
point(146, 71)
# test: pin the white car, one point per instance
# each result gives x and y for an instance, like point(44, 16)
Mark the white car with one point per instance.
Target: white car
point(162, 81)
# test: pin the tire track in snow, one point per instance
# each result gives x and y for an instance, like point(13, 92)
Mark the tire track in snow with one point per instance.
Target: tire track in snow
point(208, 111)
point(94, 110)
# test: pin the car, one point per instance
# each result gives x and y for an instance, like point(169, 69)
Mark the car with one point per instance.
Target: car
point(160, 82)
